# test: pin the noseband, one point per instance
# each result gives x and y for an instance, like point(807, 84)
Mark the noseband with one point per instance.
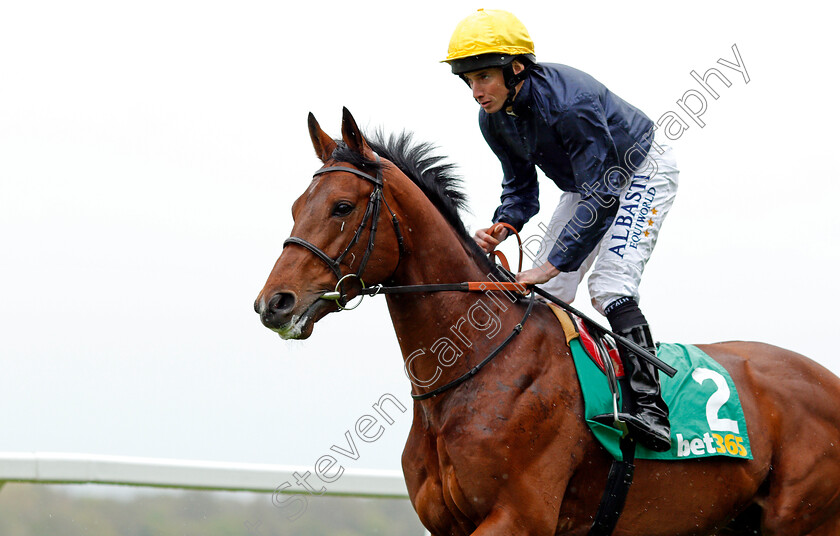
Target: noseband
point(372, 211)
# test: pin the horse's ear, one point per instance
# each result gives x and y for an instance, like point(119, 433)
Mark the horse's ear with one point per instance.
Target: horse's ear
point(352, 135)
point(323, 144)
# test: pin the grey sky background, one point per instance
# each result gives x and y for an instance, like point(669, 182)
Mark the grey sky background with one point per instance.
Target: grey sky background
point(150, 153)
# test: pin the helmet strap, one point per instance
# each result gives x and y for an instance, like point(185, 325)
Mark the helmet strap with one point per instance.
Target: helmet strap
point(513, 79)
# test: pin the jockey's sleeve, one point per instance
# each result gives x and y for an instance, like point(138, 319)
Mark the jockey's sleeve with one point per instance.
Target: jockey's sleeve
point(584, 133)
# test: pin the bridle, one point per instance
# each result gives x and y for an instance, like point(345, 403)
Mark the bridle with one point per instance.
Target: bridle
point(621, 472)
point(372, 211)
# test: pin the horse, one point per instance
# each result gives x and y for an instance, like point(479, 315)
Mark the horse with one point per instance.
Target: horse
point(506, 451)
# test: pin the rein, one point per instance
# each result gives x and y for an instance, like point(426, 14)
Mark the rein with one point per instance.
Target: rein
point(621, 472)
point(372, 212)
point(517, 329)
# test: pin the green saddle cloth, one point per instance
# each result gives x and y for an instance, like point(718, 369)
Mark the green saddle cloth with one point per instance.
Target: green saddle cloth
point(705, 411)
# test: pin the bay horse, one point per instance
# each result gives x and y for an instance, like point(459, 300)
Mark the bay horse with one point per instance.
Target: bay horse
point(507, 451)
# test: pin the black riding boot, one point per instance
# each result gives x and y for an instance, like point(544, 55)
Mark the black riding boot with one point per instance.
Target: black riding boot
point(649, 416)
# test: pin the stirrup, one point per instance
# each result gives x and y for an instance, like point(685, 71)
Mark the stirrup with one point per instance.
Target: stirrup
point(638, 430)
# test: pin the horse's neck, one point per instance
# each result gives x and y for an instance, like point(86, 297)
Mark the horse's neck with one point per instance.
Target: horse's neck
point(452, 329)
point(435, 254)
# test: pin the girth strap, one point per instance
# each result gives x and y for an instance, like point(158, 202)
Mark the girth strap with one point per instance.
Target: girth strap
point(615, 494)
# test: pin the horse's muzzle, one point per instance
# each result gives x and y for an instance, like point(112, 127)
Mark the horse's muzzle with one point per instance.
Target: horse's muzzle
point(278, 311)
point(290, 317)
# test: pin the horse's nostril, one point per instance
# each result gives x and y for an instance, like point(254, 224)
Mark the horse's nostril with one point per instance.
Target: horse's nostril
point(281, 302)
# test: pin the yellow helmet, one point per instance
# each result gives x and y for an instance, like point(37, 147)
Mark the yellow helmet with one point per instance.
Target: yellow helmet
point(488, 38)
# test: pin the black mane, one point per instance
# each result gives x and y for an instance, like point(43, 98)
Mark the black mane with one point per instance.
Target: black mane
point(429, 172)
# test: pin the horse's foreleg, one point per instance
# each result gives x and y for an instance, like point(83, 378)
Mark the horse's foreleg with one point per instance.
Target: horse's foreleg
point(525, 511)
point(510, 521)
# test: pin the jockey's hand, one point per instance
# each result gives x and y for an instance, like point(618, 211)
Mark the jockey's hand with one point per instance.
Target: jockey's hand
point(487, 239)
point(538, 275)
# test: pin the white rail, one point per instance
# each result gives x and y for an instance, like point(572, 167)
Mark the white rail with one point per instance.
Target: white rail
point(64, 468)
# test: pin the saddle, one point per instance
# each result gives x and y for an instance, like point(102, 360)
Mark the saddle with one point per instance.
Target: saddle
point(706, 416)
point(603, 351)
point(705, 409)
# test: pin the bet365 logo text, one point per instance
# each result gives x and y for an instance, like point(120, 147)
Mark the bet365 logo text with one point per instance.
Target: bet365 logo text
point(711, 444)
point(724, 435)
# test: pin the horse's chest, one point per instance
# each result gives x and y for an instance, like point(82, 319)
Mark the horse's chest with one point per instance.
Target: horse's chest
point(463, 476)
point(455, 492)
point(466, 460)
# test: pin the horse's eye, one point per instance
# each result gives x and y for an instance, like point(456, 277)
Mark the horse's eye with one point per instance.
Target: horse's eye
point(342, 208)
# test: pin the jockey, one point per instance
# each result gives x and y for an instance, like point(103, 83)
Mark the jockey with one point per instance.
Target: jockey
point(617, 183)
